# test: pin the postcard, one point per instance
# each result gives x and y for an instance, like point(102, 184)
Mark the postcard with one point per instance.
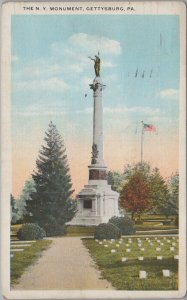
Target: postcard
point(93, 152)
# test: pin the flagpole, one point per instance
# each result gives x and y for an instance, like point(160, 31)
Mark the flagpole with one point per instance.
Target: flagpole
point(142, 142)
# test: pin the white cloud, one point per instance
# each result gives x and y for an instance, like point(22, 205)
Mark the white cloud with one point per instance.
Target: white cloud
point(93, 43)
point(169, 94)
point(52, 84)
point(136, 109)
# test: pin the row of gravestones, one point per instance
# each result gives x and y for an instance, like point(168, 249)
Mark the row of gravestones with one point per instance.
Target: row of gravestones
point(19, 246)
point(144, 275)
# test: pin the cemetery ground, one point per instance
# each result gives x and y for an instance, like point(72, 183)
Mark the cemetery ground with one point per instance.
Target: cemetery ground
point(21, 260)
point(121, 261)
point(153, 249)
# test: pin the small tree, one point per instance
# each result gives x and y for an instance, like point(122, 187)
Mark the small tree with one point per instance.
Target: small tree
point(116, 180)
point(159, 193)
point(135, 194)
point(51, 205)
point(14, 210)
point(28, 189)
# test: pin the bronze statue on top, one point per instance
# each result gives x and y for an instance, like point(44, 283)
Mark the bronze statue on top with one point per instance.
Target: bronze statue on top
point(97, 63)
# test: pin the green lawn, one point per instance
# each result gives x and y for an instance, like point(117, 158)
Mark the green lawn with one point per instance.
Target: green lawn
point(22, 260)
point(125, 275)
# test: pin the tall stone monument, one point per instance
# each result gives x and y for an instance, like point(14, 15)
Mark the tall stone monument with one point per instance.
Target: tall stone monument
point(96, 203)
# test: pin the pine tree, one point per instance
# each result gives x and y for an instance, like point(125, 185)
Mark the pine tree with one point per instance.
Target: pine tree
point(51, 205)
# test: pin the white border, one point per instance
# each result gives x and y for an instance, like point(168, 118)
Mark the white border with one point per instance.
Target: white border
point(154, 7)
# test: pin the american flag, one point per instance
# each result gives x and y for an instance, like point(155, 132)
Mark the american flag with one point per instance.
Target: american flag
point(149, 127)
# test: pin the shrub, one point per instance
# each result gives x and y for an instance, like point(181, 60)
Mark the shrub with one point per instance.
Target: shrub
point(31, 231)
point(125, 224)
point(55, 230)
point(107, 231)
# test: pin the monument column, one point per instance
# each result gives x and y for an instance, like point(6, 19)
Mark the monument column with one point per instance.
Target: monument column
point(99, 202)
point(97, 169)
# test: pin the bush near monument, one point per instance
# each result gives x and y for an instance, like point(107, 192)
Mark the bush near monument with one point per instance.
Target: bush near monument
point(31, 232)
point(125, 224)
point(107, 231)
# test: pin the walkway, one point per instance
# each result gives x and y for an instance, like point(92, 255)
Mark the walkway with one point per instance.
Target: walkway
point(66, 265)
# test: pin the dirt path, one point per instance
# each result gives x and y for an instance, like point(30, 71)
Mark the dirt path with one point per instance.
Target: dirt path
point(65, 265)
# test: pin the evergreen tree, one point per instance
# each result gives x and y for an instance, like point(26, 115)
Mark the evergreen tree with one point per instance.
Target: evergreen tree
point(159, 193)
point(14, 210)
point(51, 205)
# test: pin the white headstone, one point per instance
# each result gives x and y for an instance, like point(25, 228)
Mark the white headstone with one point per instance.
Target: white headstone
point(166, 273)
point(104, 240)
point(142, 249)
point(142, 274)
point(21, 245)
point(173, 244)
point(113, 251)
point(172, 248)
point(11, 255)
point(16, 250)
point(158, 249)
point(106, 246)
point(128, 250)
point(127, 245)
point(124, 259)
point(117, 245)
point(173, 238)
point(96, 240)
point(140, 258)
point(100, 243)
point(161, 244)
point(22, 242)
point(159, 257)
point(176, 257)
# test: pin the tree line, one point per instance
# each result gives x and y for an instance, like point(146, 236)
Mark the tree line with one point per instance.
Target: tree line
point(47, 197)
point(143, 190)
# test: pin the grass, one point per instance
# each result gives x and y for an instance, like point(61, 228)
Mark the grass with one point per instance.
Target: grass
point(125, 275)
point(80, 230)
point(22, 260)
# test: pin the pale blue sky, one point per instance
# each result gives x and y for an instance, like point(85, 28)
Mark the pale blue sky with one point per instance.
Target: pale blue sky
point(52, 72)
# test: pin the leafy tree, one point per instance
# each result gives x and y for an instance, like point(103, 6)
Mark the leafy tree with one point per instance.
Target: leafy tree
point(51, 205)
point(143, 167)
point(172, 206)
point(116, 180)
point(14, 210)
point(28, 189)
point(173, 186)
point(135, 194)
point(159, 193)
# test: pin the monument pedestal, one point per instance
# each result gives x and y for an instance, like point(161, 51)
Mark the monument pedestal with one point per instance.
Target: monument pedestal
point(96, 203)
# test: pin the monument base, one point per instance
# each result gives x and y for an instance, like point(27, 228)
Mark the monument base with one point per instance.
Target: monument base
point(96, 204)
